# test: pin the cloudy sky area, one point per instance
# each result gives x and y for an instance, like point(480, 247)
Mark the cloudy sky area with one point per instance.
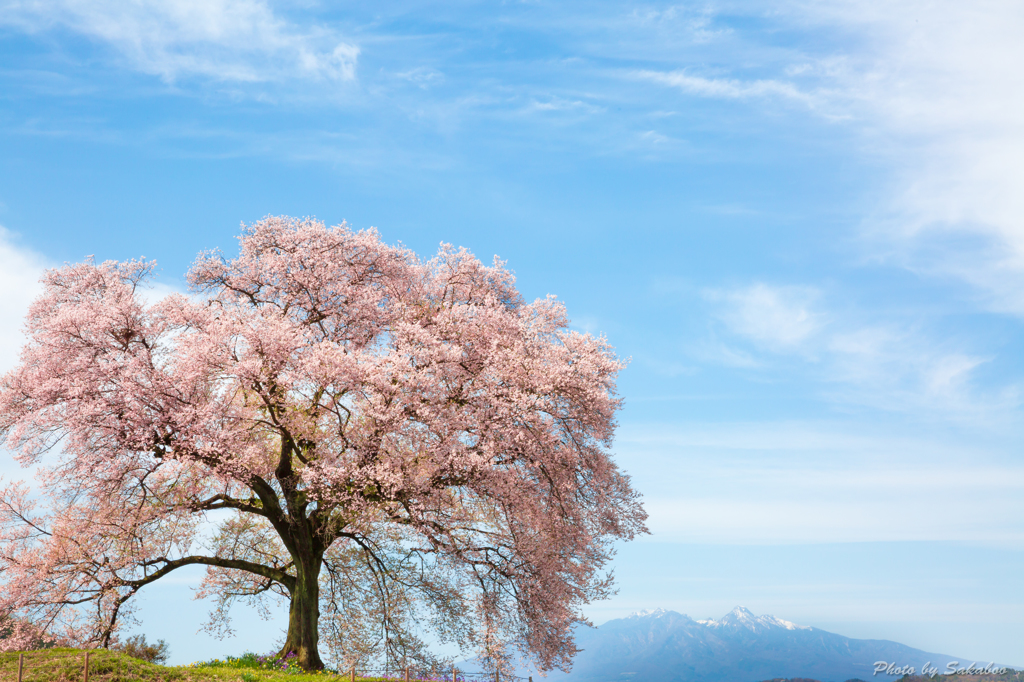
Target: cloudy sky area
point(802, 221)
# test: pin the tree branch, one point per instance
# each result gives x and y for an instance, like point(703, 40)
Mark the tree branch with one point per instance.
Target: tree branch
point(169, 565)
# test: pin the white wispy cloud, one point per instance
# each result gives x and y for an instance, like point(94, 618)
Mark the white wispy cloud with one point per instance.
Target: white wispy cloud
point(20, 270)
point(226, 40)
point(695, 22)
point(776, 316)
point(862, 358)
point(558, 104)
point(933, 91)
point(728, 88)
point(422, 76)
point(940, 91)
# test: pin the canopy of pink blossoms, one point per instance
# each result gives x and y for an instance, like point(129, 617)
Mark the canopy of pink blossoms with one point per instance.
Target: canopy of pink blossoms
point(446, 442)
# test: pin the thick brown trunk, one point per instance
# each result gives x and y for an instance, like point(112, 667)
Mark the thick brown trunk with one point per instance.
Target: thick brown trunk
point(304, 616)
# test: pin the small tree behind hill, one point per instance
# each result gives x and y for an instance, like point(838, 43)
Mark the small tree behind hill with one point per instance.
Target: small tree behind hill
point(136, 646)
point(391, 446)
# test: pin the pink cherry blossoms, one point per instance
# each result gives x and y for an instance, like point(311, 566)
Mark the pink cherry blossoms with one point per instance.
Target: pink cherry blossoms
point(389, 446)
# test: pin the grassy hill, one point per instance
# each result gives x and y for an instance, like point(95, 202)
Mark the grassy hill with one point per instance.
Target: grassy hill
point(67, 665)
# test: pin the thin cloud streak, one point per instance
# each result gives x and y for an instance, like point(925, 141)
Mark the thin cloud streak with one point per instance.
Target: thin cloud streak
point(727, 87)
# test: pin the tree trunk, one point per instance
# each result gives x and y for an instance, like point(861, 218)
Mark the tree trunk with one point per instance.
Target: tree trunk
point(304, 616)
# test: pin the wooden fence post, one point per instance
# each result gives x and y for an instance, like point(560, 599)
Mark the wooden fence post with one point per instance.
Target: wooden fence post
point(454, 677)
point(21, 665)
point(406, 674)
point(86, 666)
point(353, 674)
point(496, 676)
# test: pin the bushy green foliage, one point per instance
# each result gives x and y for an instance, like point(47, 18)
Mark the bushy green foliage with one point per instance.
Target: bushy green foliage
point(136, 646)
point(286, 665)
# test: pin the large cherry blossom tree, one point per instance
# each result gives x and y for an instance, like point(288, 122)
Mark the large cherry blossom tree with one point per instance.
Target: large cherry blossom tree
point(392, 446)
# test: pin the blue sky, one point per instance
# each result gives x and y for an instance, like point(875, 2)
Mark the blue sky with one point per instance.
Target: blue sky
point(802, 221)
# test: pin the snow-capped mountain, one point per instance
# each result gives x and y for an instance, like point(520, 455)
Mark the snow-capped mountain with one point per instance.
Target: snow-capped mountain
point(665, 646)
point(741, 617)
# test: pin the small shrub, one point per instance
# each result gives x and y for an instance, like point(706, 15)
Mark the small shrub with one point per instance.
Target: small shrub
point(136, 646)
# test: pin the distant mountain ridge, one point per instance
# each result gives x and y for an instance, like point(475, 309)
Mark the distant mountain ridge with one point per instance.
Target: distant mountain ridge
point(665, 646)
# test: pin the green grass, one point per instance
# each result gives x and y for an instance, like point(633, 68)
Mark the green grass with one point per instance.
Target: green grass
point(66, 665)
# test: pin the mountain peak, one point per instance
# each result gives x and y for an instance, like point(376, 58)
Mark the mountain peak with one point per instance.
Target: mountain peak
point(741, 613)
point(742, 617)
point(648, 613)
